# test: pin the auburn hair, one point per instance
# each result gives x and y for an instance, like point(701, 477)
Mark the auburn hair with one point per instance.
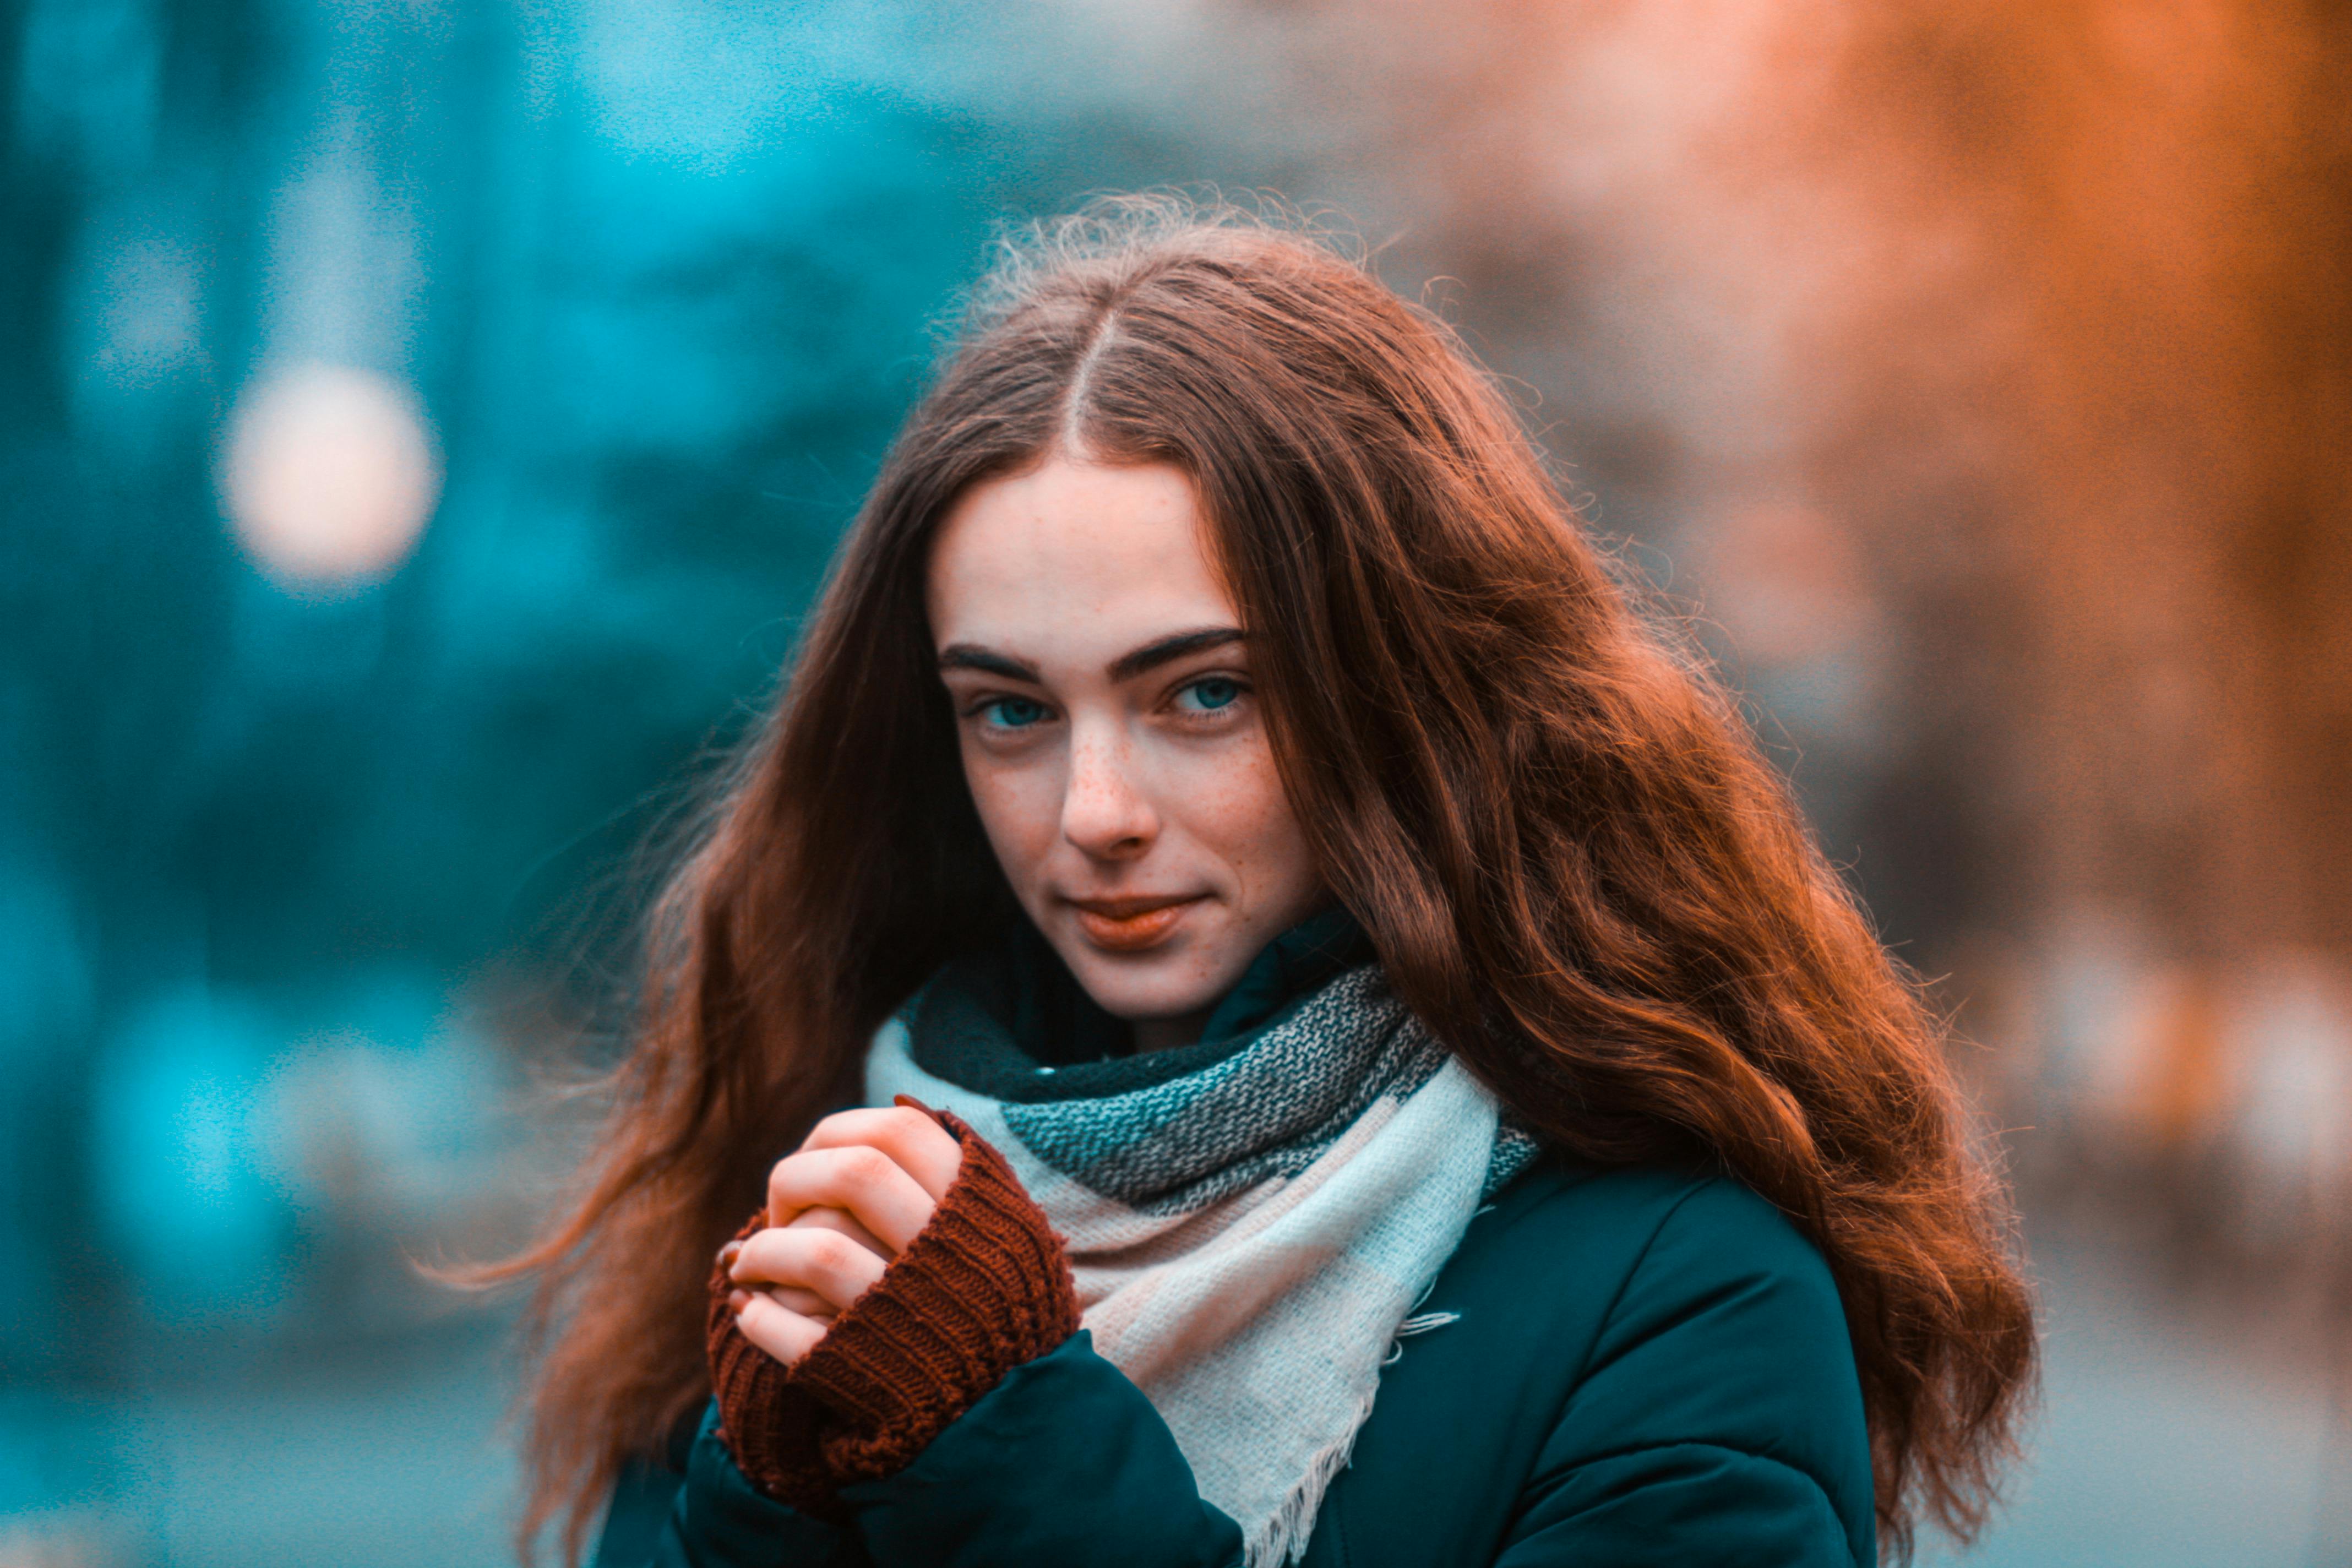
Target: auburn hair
point(1576, 867)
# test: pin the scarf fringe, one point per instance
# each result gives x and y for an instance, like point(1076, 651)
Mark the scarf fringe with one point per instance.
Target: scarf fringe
point(1282, 1538)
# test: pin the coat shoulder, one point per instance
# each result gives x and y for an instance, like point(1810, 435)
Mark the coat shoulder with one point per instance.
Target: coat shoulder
point(1646, 1320)
point(1594, 1254)
point(1617, 1213)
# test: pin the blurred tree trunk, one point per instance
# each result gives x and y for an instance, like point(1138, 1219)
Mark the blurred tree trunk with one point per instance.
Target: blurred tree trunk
point(2040, 310)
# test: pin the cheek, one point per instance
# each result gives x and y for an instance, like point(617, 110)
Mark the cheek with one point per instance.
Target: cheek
point(1238, 810)
point(1020, 809)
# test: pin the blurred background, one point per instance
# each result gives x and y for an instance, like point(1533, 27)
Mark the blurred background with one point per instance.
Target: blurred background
point(422, 424)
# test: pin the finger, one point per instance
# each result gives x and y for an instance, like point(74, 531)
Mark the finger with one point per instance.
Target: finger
point(813, 1218)
point(824, 1261)
point(920, 1146)
point(860, 1179)
point(807, 1303)
point(837, 1220)
point(778, 1329)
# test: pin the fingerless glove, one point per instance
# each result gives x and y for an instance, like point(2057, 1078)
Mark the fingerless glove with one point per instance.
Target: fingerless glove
point(984, 1286)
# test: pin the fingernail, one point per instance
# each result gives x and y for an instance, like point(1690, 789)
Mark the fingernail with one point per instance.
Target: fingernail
point(729, 1254)
point(737, 1300)
point(948, 1124)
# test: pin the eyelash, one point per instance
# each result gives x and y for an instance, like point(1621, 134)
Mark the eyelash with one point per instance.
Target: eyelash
point(1240, 690)
point(980, 708)
point(985, 706)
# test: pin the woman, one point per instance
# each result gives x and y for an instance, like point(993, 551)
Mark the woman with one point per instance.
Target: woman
point(1353, 1056)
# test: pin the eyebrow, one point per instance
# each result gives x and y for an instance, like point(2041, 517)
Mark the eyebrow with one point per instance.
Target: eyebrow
point(1126, 667)
point(1153, 655)
point(968, 656)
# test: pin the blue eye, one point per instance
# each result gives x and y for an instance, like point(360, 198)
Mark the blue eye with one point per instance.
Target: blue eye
point(1211, 692)
point(1013, 713)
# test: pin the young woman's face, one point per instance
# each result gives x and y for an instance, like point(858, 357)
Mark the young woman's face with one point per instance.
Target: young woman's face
point(1112, 738)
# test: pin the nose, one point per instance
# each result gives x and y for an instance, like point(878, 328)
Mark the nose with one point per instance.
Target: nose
point(1105, 812)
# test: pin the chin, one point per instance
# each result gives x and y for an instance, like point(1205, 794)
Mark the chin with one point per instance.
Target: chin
point(1150, 986)
point(1138, 998)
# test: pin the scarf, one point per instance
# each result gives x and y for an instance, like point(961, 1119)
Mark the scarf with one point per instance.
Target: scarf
point(1251, 1220)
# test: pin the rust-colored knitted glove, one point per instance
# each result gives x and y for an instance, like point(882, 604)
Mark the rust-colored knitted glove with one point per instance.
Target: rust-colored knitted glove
point(981, 1289)
point(769, 1425)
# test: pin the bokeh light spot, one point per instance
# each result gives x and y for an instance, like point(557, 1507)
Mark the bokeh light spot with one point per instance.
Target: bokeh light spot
point(328, 474)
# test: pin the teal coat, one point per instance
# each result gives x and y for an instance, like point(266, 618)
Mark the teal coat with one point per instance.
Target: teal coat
point(1648, 1368)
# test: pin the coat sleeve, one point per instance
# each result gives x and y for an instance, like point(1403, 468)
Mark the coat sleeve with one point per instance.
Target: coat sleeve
point(1065, 1464)
point(717, 1520)
point(1720, 1418)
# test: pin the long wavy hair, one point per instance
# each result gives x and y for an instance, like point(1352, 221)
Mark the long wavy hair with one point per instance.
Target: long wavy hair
point(1576, 867)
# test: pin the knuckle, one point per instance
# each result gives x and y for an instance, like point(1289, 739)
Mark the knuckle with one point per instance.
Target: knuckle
point(866, 1165)
point(830, 1251)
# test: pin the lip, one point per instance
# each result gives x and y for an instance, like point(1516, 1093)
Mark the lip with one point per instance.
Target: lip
point(1132, 924)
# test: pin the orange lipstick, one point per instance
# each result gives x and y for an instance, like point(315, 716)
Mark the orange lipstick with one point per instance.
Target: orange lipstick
point(1129, 925)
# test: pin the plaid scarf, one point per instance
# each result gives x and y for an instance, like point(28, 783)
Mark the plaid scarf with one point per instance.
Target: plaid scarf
point(1251, 1220)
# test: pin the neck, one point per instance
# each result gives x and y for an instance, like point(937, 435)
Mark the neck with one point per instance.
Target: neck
point(1166, 1034)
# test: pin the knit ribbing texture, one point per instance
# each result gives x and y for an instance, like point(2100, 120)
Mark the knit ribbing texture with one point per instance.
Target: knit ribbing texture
point(984, 1288)
point(770, 1425)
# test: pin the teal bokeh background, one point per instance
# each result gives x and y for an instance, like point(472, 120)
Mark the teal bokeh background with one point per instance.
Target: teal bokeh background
point(658, 351)
point(299, 879)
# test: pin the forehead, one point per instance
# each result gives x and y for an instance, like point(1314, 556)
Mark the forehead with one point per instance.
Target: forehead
point(1077, 559)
